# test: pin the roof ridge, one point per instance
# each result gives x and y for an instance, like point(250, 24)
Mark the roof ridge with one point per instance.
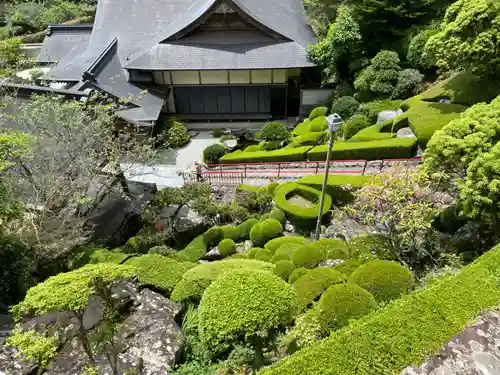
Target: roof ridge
point(64, 27)
point(90, 73)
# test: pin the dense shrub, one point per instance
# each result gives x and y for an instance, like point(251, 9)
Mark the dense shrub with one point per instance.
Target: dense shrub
point(286, 190)
point(160, 272)
point(194, 282)
point(374, 150)
point(407, 330)
point(308, 256)
point(216, 133)
point(371, 133)
point(245, 228)
point(274, 244)
point(273, 131)
point(409, 83)
point(417, 56)
point(372, 109)
point(213, 153)
point(384, 279)
point(244, 303)
point(176, 134)
point(268, 146)
point(372, 245)
point(341, 303)
point(229, 231)
point(318, 111)
point(379, 79)
point(246, 187)
point(339, 187)
point(296, 274)
point(347, 268)
point(309, 139)
point(301, 129)
point(354, 125)
point(213, 236)
point(253, 252)
point(162, 250)
point(285, 154)
point(142, 242)
point(333, 248)
point(283, 268)
point(285, 251)
point(345, 106)
point(263, 255)
point(252, 148)
point(10, 52)
point(227, 247)
point(312, 284)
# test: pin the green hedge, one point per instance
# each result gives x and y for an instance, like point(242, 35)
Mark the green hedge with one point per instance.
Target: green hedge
point(407, 331)
point(295, 212)
point(309, 139)
point(264, 255)
point(285, 154)
point(333, 248)
point(245, 187)
point(372, 150)
point(285, 251)
point(381, 130)
point(319, 124)
point(194, 282)
point(372, 109)
point(318, 111)
point(253, 252)
point(384, 279)
point(301, 129)
point(349, 266)
point(312, 284)
point(161, 272)
point(338, 186)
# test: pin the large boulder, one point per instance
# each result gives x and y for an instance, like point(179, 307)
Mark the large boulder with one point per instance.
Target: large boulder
point(187, 220)
point(388, 115)
point(346, 229)
point(475, 351)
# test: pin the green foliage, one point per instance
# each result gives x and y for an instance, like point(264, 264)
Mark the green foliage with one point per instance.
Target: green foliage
point(296, 274)
point(468, 37)
point(345, 106)
point(312, 284)
point(333, 248)
point(216, 133)
point(274, 244)
point(227, 247)
point(263, 255)
point(273, 131)
point(308, 256)
point(265, 231)
point(162, 250)
point(349, 266)
point(33, 346)
point(277, 214)
point(176, 134)
point(142, 242)
point(253, 252)
point(244, 303)
point(338, 186)
point(318, 124)
point(212, 153)
point(293, 211)
point(417, 55)
point(380, 77)
point(285, 251)
point(10, 52)
point(69, 291)
point(245, 187)
point(353, 125)
point(284, 268)
point(384, 279)
point(372, 245)
point(373, 150)
point(194, 281)
point(269, 145)
point(245, 228)
point(343, 302)
point(317, 112)
point(409, 83)
point(286, 154)
point(373, 133)
point(309, 139)
point(373, 108)
point(160, 272)
point(409, 328)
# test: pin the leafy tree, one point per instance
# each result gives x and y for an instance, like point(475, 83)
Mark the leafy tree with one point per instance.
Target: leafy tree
point(273, 131)
point(417, 55)
point(345, 106)
point(409, 82)
point(400, 204)
point(339, 51)
point(469, 37)
point(380, 78)
point(175, 135)
point(71, 292)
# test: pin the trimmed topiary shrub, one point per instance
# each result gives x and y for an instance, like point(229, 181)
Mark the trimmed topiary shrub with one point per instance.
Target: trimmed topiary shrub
point(194, 282)
point(343, 302)
point(308, 256)
point(296, 274)
point(345, 106)
point(245, 187)
point(276, 243)
point(301, 129)
point(263, 255)
point(284, 154)
point(333, 248)
point(273, 131)
point(176, 134)
point(283, 268)
point(384, 279)
point(277, 214)
point(311, 285)
point(319, 124)
point(227, 247)
point(244, 303)
point(253, 252)
point(349, 266)
point(160, 272)
point(372, 109)
point(266, 230)
point(354, 125)
point(213, 153)
point(338, 186)
point(252, 148)
point(294, 212)
point(318, 111)
point(213, 236)
point(285, 251)
point(230, 231)
point(245, 228)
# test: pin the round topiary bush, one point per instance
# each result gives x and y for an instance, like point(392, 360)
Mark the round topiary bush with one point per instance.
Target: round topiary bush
point(311, 285)
point(245, 228)
point(194, 282)
point(286, 191)
point(256, 234)
point(273, 131)
point(296, 274)
point(271, 228)
point(213, 153)
point(343, 302)
point(285, 252)
point(277, 214)
point(227, 247)
point(244, 303)
point(272, 187)
point(345, 106)
point(253, 252)
point(318, 111)
point(348, 267)
point(354, 125)
point(283, 268)
point(384, 279)
point(333, 248)
point(308, 256)
point(274, 244)
point(263, 255)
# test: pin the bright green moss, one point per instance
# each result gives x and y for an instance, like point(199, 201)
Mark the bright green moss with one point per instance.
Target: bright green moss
point(312, 284)
point(296, 274)
point(308, 256)
point(318, 111)
point(263, 255)
point(276, 243)
point(253, 252)
point(283, 268)
point(227, 247)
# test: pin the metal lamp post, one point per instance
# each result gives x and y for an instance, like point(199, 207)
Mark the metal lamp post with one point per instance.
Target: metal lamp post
point(334, 123)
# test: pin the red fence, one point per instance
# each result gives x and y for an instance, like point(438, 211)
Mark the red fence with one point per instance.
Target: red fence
point(214, 177)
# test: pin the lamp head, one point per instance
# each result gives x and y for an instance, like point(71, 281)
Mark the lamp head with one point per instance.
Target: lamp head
point(334, 122)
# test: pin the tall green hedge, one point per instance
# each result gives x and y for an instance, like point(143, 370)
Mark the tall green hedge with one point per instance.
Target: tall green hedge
point(285, 154)
point(373, 150)
point(405, 332)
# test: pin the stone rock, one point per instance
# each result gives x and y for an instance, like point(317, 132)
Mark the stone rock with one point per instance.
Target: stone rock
point(475, 351)
point(187, 219)
point(231, 143)
point(388, 115)
point(346, 229)
point(331, 262)
point(248, 245)
point(193, 133)
point(10, 361)
point(405, 133)
point(226, 132)
point(289, 227)
point(213, 254)
point(223, 194)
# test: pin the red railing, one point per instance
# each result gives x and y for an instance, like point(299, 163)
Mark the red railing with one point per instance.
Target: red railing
point(214, 177)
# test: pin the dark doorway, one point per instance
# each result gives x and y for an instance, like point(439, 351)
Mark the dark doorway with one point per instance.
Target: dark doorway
point(293, 100)
point(278, 102)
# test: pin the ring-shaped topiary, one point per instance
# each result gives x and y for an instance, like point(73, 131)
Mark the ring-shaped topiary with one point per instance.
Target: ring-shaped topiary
point(308, 256)
point(244, 303)
point(227, 247)
point(288, 189)
point(283, 268)
point(384, 279)
point(312, 284)
point(343, 302)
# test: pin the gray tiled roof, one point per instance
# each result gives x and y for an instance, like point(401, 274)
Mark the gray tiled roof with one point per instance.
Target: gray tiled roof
point(61, 40)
